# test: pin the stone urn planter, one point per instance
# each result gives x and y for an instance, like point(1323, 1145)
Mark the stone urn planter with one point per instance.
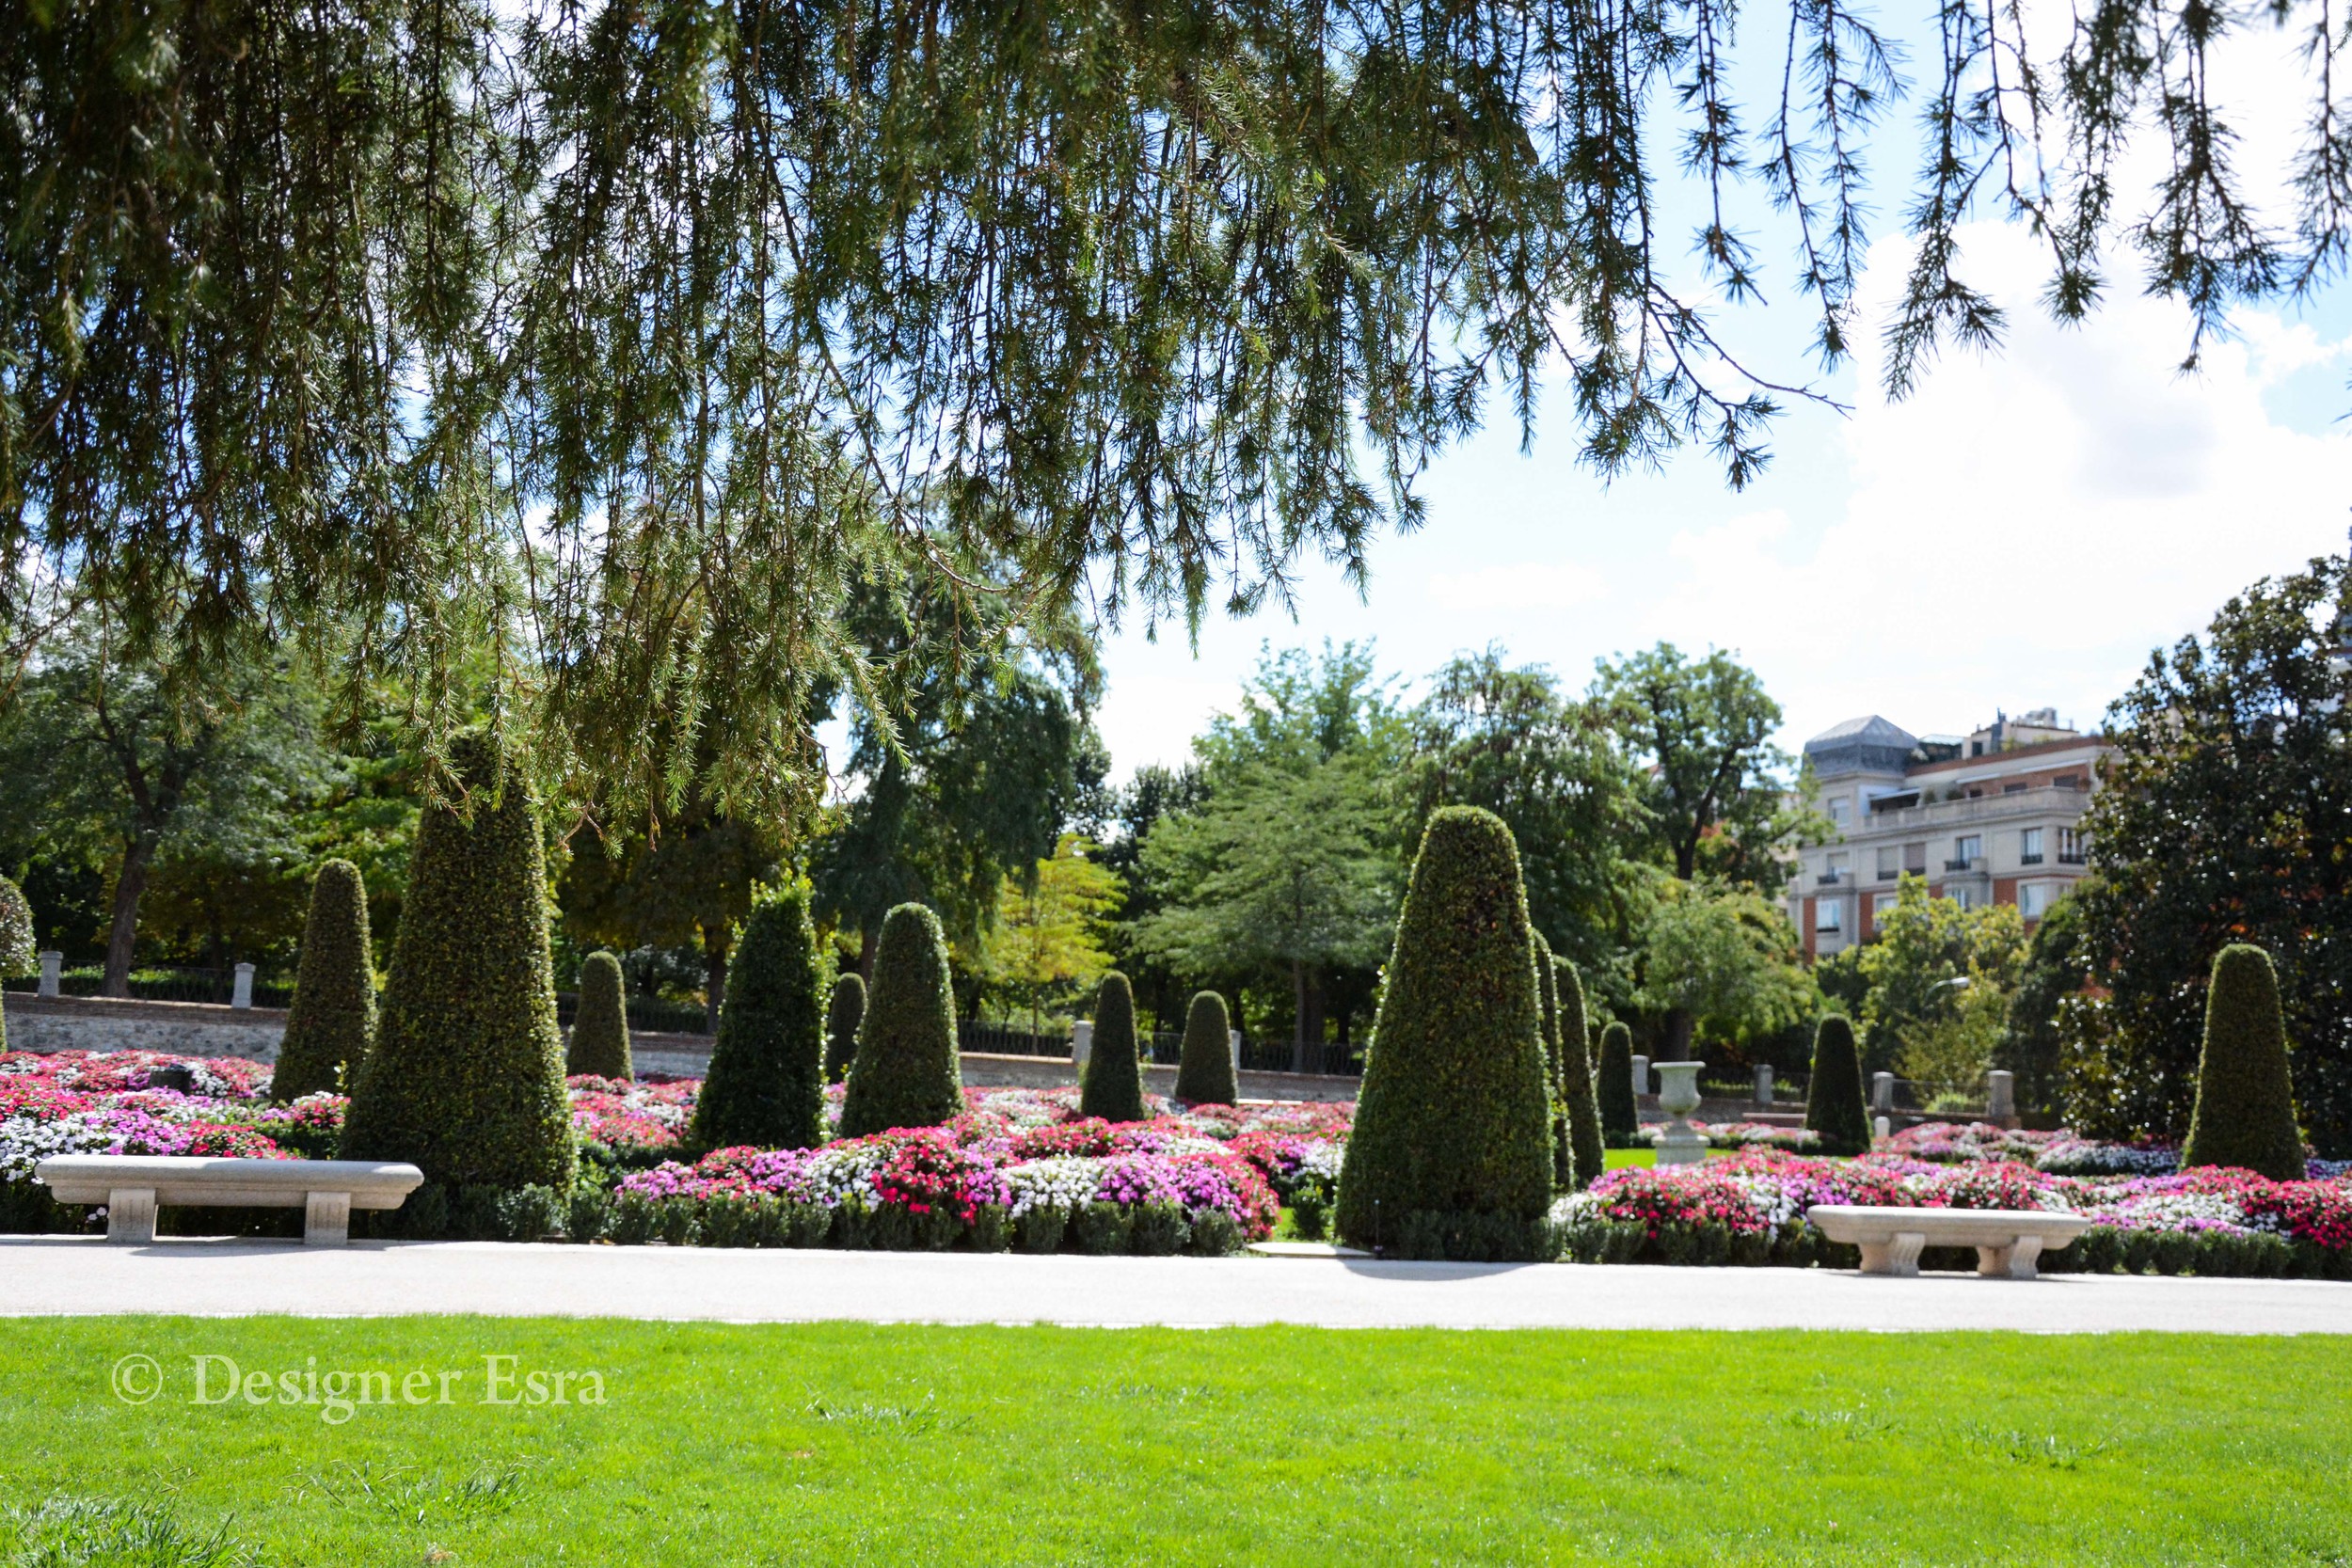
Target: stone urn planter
point(1679, 1142)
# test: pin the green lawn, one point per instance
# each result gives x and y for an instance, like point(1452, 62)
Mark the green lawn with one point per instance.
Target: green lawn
point(848, 1444)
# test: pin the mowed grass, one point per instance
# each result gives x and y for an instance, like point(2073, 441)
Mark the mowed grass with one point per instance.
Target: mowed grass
point(903, 1445)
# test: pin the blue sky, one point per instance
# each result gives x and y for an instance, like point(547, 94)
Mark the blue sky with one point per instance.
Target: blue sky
point(2018, 534)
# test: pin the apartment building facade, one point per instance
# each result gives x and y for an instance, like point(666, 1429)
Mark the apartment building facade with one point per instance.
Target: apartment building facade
point(1994, 816)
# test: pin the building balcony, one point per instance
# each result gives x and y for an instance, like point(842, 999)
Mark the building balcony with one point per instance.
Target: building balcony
point(2029, 860)
point(1829, 878)
point(2077, 858)
point(2064, 805)
point(1955, 868)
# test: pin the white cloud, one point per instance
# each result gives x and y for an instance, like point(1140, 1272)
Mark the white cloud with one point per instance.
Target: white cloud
point(1523, 585)
point(2028, 524)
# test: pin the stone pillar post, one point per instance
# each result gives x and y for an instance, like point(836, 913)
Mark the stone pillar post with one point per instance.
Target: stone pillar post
point(52, 966)
point(1883, 1092)
point(1233, 1043)
point(1640, 1076)
point(2000, 1099)
point(1081, 1041)
point(242, 996)
point(1764, 1083)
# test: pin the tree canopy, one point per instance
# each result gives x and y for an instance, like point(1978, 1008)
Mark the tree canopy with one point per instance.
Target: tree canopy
point(626, 340)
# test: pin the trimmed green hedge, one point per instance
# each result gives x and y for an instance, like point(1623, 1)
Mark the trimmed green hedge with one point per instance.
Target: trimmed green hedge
point(466, 1076)
point(1833, 1105)
point(600, 1028)
point(1587, 1151)
point(1205, 1074)
point(846, 1011)
point(1555, 1079)
point(767, 1079)
point(16, 941)
point(1620, 1113)
point(2245, 1113)
point(1453, 1134)
point(907, 1073)
point(1112, 1086)
point(332, 1021)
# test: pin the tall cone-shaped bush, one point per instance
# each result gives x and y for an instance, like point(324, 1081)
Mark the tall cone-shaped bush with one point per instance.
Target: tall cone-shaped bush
point(1548, 992)
point(1620, 1113)
point(16, 940)
point(1453, 1124)
point(843, 1014)
point(1205, 1074)
point(332, 1021)
point(1112, 1086)
point(600, 1041)
point(466, 1079)
point(906, 1072)
point(767, 1079)
point(2245, 1114)
point(1587, 1150)
point(1833, 1106)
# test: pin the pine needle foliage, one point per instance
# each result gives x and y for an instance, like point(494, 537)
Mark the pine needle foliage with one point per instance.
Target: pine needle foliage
point(1587, 1151)
point(600, 1041)
point(1453, 1122)
point(1112, 1086)
point(842, 1015)
point(332, 1021)
point(907, 1073)
point(1205, 1074)
point(1834, 1106)
point(766, 1086)
point(466, 1076)
point(2245, 1114)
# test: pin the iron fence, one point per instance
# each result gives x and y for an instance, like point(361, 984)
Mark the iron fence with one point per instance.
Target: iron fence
point(1003, 1040)
point(658, 1015)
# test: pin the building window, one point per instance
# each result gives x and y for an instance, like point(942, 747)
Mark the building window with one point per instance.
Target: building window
point(1916, 860)
point(1837, 808)
point(2066, 781)
point(1881, 905)
point(1828, 915)
point(2033, 900)
point(2030, 846)
point(1890, 862)
point(1964, 897)
point(2069, 847)
point(1966, 850)
point(2014, 789)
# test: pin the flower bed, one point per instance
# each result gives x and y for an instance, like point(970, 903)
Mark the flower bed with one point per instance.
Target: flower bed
point(1751, 1208)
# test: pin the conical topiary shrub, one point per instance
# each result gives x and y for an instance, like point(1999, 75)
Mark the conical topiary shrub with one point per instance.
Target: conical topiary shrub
point(1587, 1150)
point(1620, 1113)
point(1833, 1106)
point(767, 1080)
point(1205, 1074)
point(2245, 1114)
point(906, 1072)
point(1452, 1149)
point(332, 1021)
point(842, 1016)
point(466, 1079)
point(1548, 992)
point(600, 1027)
point(16, 941)
point(1112, 1087)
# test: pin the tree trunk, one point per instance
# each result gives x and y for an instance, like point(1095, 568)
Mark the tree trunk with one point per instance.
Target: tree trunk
point(124, 940)
point(1298, 1016)
point(1677, 1044)
point(714, 973)
point(1314, 1019)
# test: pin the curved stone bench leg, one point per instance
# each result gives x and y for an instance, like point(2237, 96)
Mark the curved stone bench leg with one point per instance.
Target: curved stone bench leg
point(327, 1219)
point(2013, 1262)
point(131, 1214)
point(1898, 1255)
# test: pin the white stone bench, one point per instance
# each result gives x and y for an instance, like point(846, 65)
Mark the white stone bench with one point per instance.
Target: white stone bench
point(134, 1186)
point(2007, 1239)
